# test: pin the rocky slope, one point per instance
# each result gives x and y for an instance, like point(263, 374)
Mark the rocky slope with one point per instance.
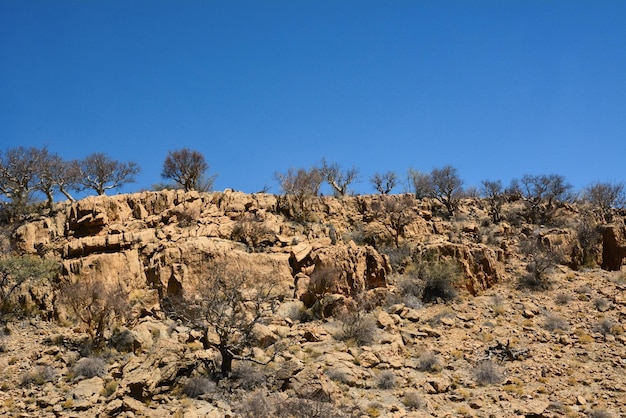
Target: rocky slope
point(498, 349)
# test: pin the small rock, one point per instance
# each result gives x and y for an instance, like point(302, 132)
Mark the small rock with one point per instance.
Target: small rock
point(476, 404)
point(368, 359)
point(580, 400)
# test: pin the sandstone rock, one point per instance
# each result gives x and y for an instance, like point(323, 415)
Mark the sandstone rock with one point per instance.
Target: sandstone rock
point(613, 246)
point(368, 359)
point(440, 385)
point(86, 392)
point(534, 408)
point(346, 270)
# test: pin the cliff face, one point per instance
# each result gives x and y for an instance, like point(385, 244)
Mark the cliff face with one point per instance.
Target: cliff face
point(157, 243)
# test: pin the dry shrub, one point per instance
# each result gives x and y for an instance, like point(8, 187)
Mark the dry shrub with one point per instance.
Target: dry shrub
point(39, 376)
point(251, 230)
point(563, 298)
point(429, 362)
point(90, 367)
point(554, 322)
point(187, 216)
point(412, 400)
point(358, 327)
point(487, 373)
point(386, 380)
point(198, 386)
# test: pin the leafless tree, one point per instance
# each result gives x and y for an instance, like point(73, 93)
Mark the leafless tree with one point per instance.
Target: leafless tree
point(337, 178)
point(96, 304)
point(100, 173)
point(541, 194)
point(187, 168)
point(385, 182)
point(395, 213)
point(606, 196)
point(447, 187)
point(227, 306)
point(494, 193)
point(54, 173)
point(421, 184)
point(300, 185)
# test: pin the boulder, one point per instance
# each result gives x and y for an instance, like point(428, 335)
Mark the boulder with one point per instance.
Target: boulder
point(346, 270)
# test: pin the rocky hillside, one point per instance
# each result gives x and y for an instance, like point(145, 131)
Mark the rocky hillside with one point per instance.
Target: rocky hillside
point(380, 306)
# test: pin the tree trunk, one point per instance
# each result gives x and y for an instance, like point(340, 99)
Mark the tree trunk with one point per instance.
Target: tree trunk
point(227, 361)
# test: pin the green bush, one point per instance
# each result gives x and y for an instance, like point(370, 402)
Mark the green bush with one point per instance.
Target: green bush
point(17, 271)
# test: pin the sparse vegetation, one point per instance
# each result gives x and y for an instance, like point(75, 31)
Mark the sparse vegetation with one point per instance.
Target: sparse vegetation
point(100, 173)
point(300, 186)
point(358, 326)
point(429, 362)
point(412, 400)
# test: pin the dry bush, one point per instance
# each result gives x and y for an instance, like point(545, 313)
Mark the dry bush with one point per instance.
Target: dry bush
point(386, 380)
point(602, 304)
point(599, 413)
point(542, 259)
point(197, 387)
point(554, 322)
point(358, 327)
point(19, 271)
point(440, 278)
point(98, 305)
point(187, 216)
point(300, 187)
point(261, 404)
point(90, 367)
point(563, 298)
point(395, 213)
point(412, 400)
point(251, 230)
point(39, 376)
point(249, 376)
point(295, 311)
point(487, 373)
point(429, 362)
point(607, 326)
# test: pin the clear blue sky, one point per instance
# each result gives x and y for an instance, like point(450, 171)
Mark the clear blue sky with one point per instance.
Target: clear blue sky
point(497, 89)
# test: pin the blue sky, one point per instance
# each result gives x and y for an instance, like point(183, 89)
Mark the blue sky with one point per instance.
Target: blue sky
point(497, 89)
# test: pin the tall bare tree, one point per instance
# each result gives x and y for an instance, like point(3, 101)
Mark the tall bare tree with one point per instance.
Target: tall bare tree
point(187, 168)
point(541, 193)
point(384, 182)
point(494, 193)
point(100, 173)
point(337, 178)
point(606, 196)
point(447, 187)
